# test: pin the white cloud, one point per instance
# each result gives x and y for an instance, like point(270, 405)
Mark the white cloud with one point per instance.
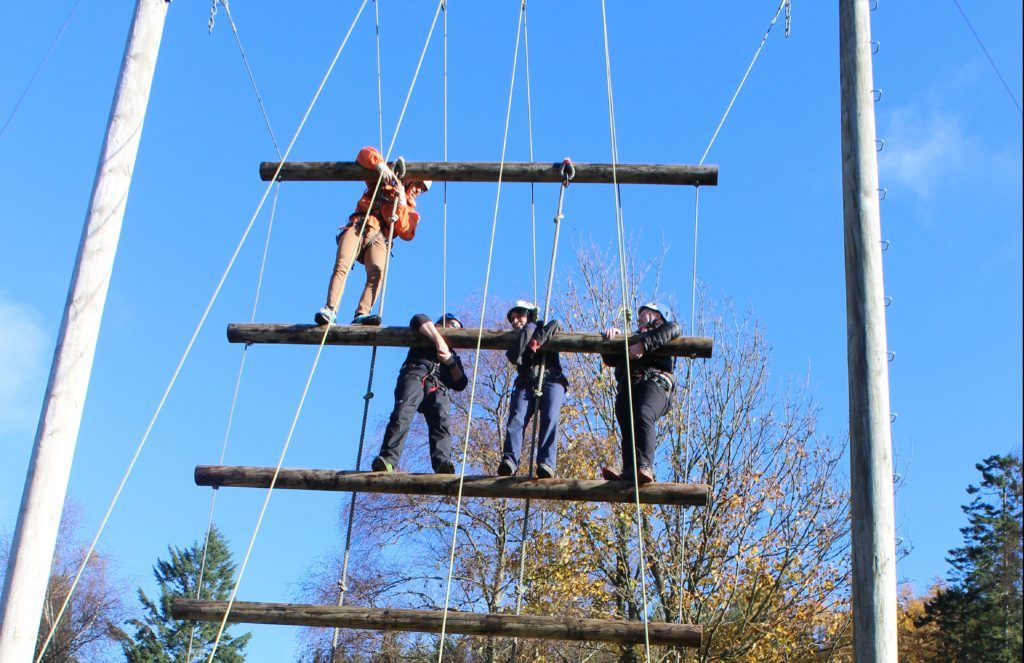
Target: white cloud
point(23, 344)
point(923, 150)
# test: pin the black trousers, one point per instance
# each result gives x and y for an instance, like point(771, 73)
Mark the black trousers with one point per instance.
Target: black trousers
point(416, 392)
point(650, 401)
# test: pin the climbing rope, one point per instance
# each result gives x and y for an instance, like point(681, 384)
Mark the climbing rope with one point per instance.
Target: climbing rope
point(252, 318)
point(568, 173)
point(444, 157)
point(785, 4)
point(323, 339)
point(620, 236)
point(368, 396)
point(192, 340)
point(479, 337)
point(529, 127)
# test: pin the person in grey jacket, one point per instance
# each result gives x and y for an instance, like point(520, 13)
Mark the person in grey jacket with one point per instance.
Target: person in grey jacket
point(531, 361)
point(423, 384)
point(650, 380)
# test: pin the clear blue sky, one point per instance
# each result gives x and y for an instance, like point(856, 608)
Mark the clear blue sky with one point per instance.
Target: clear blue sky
point(770, 238)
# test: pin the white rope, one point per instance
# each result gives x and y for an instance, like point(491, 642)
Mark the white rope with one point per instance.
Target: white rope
point(192, 340)
point(529, 125)
point(620, 234)
point(319, 352)
point(757, 54)
point(39, 68)
point(479, 337)
point(252, 318)
point(380, 103)
point(444, 156)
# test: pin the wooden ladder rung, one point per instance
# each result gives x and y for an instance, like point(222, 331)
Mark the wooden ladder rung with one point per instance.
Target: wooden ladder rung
point(478, 171)
point(405, 337)
point(400, 483)
point(429, 621)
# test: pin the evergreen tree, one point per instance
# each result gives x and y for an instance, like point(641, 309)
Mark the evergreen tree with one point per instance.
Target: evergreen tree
point(159, 638)
point(980, 614)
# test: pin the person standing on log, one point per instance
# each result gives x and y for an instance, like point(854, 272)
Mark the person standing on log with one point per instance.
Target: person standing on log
point(650, 380)
point(530, 362)
point(395, 203)
point(423, 384)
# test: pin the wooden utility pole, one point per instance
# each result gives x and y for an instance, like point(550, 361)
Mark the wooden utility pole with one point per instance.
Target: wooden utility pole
point(28, 569)
point(871, 490)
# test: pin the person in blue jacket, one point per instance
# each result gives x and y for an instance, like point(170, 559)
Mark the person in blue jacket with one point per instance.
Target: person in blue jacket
point(531, 361)
point(652, 380)
point(423, 385)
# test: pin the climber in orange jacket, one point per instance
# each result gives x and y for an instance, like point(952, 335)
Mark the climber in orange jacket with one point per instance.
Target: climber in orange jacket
point(394, 203)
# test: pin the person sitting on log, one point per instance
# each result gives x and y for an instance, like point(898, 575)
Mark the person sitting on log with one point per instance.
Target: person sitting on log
point(650, 380)
point(423, 384)
point(531, 361)
point(395, 204)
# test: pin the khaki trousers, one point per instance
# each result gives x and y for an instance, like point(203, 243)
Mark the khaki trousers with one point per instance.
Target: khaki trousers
point(374, 253)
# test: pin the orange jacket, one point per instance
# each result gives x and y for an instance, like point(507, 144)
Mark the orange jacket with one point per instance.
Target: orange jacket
point(384, 205)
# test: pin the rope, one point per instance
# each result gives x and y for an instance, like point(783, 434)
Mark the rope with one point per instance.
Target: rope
point(479, 337)
point(39, 68)
point(568, 172)
point(620, 235)
point(529, 125)
point(380, 103)
point(689, 398)
point(192, 340)
point(252, 318)
point(782, 5)
point(444, 156)
point(985, 51)
point(316, 360)
point(343, 582)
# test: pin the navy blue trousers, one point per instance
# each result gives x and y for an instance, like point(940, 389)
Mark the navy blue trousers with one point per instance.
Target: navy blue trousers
point(520, 412)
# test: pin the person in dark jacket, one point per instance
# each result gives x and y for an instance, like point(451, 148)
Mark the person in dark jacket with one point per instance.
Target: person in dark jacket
point(423, 384)
point(650, 380)
point(530, 362)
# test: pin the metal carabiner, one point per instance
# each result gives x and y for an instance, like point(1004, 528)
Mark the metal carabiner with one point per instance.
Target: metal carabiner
point(399, 168)
point(568, 171)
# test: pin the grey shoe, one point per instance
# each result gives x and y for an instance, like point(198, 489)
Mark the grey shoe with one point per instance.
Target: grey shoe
point(506, 468)
point(381, 465)
point(367, 320)
point(445, 467)
point(545, 471)
point(324, 316)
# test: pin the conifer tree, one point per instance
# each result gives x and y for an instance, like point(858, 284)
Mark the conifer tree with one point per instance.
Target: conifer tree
point(159, 638)
point(979, 614)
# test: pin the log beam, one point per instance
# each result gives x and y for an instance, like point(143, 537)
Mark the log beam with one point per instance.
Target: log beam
point(399, 483)
point(472, 171)
point(429, 621)
point(687, 346)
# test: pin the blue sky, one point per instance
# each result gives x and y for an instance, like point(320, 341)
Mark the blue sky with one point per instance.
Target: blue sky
point(770, 233)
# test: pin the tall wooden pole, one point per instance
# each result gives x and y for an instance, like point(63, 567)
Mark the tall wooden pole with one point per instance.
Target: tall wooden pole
point(872, 532)
point(50, 467)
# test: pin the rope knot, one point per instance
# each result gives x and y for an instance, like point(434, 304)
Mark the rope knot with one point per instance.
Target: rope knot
point(368, 395)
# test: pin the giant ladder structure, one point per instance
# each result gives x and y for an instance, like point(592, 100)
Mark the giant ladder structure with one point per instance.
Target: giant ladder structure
point(496, 625)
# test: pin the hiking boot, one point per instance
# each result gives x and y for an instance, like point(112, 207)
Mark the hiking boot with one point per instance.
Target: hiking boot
point(608, 474)
point(506, 468)
point(368, 320)
point(545, 471)
point(644, 475)
point(324, 316)
point(445, 467)
point(381, 465)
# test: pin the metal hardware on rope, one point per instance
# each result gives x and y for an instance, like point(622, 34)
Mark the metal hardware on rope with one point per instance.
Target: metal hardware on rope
point(876, 94)
point(890, 355)
point(879, 144)
point(885, 244)
point(399, 168)
point(875, 47)
point(892, 416)
point(882, 193)
point(888, 302)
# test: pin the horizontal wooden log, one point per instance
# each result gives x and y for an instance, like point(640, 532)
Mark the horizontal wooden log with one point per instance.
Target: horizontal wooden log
point(477, 171)
point(405, 337)
point(399, 483)
point(429, 621)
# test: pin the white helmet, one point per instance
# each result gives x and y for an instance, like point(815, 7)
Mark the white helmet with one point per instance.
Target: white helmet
point(654, 307)
point(427, 184)
point(525, 306)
